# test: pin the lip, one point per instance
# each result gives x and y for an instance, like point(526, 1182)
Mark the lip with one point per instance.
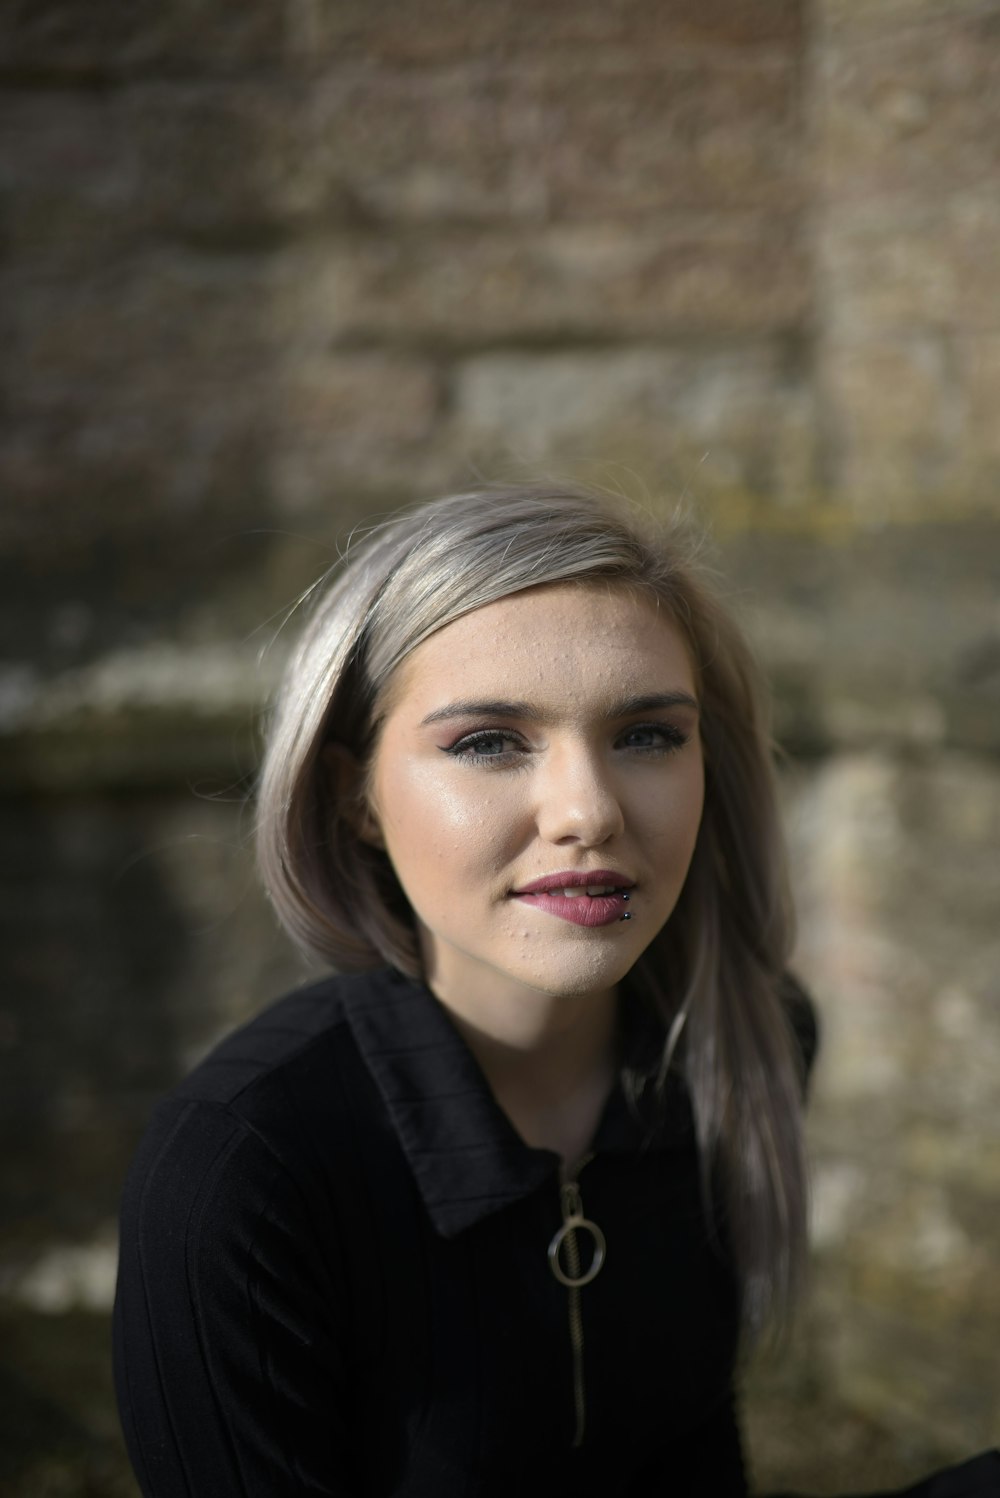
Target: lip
point(579, 910)
point(575, 878)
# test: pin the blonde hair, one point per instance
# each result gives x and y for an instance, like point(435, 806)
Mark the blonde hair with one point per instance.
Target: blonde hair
point(716, 972)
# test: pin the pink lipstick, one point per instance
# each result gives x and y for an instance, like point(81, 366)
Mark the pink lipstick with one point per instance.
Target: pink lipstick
point(594, 897)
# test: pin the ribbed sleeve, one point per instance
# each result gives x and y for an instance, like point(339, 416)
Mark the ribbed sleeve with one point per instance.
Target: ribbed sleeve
point(227, 1336)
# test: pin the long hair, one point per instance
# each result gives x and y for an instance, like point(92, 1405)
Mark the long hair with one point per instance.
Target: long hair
point(716, 970)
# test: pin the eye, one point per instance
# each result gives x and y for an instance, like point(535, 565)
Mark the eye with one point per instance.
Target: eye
point(655, 737)
point(487, 744)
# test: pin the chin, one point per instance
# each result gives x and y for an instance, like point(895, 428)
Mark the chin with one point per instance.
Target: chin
point(576, 980)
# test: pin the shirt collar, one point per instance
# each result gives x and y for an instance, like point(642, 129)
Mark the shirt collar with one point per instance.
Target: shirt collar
point(467, 1159)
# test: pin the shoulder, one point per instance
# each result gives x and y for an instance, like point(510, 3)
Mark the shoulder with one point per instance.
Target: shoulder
point(268, 1110)
point(301, 1052)
point(281, 1040)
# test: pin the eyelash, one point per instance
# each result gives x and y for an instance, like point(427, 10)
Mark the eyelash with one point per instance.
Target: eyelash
point(469, 746)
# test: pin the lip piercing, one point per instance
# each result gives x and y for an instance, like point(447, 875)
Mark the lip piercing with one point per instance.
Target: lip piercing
point(628, 914)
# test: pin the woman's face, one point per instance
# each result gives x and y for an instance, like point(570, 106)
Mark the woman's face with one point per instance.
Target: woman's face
point(546, 742)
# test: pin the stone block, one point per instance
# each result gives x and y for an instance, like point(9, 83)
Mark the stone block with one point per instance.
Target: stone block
point(911, 113)
point(933, 266)
point(70, 184)
point(888, 403)
point(864, 17)
point(235, 160)
point(139, 389)
point(60, 40)
point(364, 420)
point(153, 322)
point(874, 635)
point(697, 421)
point(138, 652)
point(456, 29)
point(90, 472)
point(684, 275)
point(213, 456)
point(978, 372)
point(153, 899)
point(897, 865)
point(623, 137)
point(921, 1381)
point(177, 386)
point(803, 1436)
point(152, 162)
point(896, 868)
point(912, 422)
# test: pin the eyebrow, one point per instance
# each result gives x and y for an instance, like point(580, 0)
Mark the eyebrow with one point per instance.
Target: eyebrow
point(647, 702)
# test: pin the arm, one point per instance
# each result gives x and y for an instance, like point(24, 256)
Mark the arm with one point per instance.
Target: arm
point(229, 1361)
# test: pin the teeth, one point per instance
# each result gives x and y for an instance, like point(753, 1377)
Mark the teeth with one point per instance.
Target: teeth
point(576, 890)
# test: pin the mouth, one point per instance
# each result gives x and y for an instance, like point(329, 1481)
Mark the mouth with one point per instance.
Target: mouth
point(593, 898)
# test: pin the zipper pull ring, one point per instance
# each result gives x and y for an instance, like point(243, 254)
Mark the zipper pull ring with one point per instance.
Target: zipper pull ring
point(574, 1222)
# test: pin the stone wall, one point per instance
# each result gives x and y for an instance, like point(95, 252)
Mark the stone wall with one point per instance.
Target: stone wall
point(270, 271)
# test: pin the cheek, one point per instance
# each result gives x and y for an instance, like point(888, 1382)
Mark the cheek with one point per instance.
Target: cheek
point(678, 811)
point(435, 821)
point(693, 794)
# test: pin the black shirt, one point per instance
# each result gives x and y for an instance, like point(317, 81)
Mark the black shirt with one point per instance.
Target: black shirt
point(334, 1279)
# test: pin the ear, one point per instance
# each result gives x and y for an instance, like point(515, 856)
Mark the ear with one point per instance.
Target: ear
point(346, 778)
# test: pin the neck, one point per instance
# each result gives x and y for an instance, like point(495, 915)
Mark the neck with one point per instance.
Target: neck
point(550, 1060)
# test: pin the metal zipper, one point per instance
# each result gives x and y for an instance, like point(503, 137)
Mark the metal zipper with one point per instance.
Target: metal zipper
point(564, 1261)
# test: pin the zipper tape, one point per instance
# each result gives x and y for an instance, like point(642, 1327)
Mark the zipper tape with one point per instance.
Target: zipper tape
point(573, 1223)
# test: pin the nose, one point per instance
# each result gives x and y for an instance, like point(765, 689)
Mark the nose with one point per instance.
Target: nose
point(577, 799)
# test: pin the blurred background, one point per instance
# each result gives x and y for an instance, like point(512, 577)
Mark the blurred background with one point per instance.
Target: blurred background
point(269, 270)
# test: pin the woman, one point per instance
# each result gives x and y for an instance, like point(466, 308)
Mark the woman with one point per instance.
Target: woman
point(493, 1213)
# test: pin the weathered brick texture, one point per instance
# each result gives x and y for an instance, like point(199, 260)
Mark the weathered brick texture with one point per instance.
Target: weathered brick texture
point(908, 158)
point(60, 41)
point(670, 277)
point(912, 113)
point(449, 29)
point(698, 418)
point(626, 135)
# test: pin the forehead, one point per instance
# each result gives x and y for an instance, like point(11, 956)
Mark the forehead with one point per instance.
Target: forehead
point(561, 640)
